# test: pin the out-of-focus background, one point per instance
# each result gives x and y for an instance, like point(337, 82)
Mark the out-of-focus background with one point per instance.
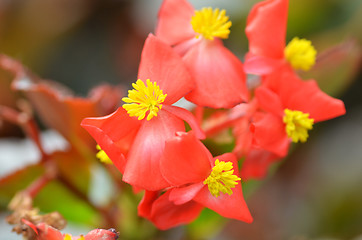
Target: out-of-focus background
point(315, 194)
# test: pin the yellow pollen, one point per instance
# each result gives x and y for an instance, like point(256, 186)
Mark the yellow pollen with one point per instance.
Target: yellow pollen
point(221, 179)
point(297, 125)
point(143, 99)
point(300, 53)
point(68, 237)
point(211, 23)
point(102, 156)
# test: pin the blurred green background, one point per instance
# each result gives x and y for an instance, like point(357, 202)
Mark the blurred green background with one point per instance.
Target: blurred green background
point(315, 194)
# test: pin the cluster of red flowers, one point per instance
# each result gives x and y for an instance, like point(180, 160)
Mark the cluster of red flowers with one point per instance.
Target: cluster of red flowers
point(146, 138)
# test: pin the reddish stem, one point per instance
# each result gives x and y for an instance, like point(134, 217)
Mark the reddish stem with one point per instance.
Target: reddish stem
point(220, 127)
point(107, 215)
point(27, 123)
point(35, 187)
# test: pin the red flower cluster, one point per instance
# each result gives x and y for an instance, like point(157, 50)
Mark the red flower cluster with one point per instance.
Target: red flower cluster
point(45, 232)
point(146, 138)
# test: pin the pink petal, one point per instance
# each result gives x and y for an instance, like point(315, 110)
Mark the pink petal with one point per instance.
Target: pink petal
point(143, 160)
point(188, 117)
point(266, 28)
point(232, 206)
point(161, 64)
point(219, 75)
point(111, 135)
point(174, 21)
point(166, 215)
point(185, 160)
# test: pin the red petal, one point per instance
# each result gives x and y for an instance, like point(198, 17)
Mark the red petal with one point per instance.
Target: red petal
point(30, 224)
point(47, 232)
point(269, 134)
point(145, 206)
point(185, 160)
point(269, 101)
point(188, 117)
point(112, 135)
point(307, 97)
point(219, 75)
point(143, 160)
point(185, 194)
point(103, 234)
point(232, 206)
point(161, 64)
point(174, 21)
point(257, 163)
point(166, 215)
point(266, 28)
point(261, 65)
point(243, 137)
point(304, 96)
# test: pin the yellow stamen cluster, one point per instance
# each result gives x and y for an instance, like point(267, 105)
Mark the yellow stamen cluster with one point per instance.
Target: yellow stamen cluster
point(211, 23)
point(143, 99)
point(102, 156)
point(300, 53)
point(221, 179)
point(297, 125)
point(68, 237)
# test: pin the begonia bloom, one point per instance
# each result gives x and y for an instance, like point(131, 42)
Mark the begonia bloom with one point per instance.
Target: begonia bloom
point(219, 76)
point(46, 232)
point(292, 106)
point(135, 142)
point(266, 32)
point(200, 181)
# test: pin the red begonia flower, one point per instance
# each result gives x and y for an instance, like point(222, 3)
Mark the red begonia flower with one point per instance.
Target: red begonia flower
point(190, 172)
point(266, 32)
point(164, 213)
point(283, 95)
point(136, 145)
point(47, 232)
point(211, 64)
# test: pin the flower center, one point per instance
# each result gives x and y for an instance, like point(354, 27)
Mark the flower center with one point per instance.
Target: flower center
point(211, 23)
point(102, 156)
point(143, 99)
point(221, 179)
point(297, 125)
point(300, 53)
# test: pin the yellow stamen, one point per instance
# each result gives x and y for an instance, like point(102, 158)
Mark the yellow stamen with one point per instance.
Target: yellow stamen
point(300, 53)
point(210, 24)
point(221, 179)
point(102, 156)
point(143, 99)
point(67, 237)
point(297, 125)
